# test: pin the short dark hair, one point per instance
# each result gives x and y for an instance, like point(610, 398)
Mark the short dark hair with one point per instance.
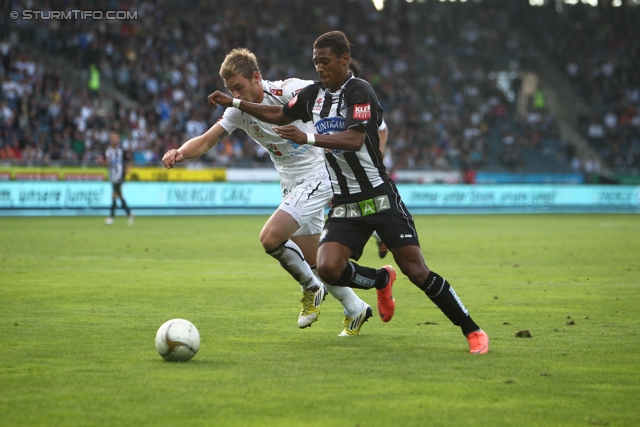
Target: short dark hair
point(355, 66)
point(335, 41)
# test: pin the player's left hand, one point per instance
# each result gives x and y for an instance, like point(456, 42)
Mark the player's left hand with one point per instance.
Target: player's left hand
point(219, 98)
point(172, 157)
point(292, 133)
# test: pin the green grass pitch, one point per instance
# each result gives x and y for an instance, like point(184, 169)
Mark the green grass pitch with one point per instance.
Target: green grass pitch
point(80, 304)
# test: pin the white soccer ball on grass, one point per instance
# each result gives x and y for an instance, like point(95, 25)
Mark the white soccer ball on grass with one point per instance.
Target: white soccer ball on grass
point(177, 340)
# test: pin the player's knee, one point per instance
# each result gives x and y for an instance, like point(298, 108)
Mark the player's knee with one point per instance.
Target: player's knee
point(417, 272)
point(265, 241)
point(269, 240)
point(329, 271)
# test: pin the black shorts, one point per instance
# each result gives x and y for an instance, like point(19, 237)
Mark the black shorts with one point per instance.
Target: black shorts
point(351, 224)
point(117, 187)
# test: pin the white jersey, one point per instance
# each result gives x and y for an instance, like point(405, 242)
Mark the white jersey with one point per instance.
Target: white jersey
point(293, 161)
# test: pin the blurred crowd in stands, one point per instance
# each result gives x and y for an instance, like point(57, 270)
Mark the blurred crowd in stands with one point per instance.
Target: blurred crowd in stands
point(599, 50)
point(433, 66)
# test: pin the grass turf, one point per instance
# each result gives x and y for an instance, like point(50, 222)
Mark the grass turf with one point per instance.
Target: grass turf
point(80, 304)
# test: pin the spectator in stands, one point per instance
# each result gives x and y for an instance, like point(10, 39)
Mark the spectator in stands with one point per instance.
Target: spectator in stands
point(595, 57)
point(7, 115)
point(93, 85)
point(165, 70)
point(14, 150)
point(596, 132)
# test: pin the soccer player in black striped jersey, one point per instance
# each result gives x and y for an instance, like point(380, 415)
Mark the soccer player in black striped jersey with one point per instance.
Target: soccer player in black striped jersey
point(117, 161)
point(291, 234)
point(347, 116)
point(383, 132)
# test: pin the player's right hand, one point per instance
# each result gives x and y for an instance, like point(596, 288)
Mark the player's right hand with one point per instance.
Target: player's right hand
point(172, 157)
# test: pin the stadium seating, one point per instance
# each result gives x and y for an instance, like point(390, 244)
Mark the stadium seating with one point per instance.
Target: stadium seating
point(433, 66)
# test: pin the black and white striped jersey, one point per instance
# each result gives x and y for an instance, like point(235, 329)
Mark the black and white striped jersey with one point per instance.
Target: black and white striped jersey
point(116, 161)
point(355, 104)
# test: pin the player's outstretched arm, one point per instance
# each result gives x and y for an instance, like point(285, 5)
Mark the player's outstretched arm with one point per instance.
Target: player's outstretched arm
point(266, 113)
point(349, 140)
point(195, 147)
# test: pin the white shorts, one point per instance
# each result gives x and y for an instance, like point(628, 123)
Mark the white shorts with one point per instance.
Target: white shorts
point(305, 202)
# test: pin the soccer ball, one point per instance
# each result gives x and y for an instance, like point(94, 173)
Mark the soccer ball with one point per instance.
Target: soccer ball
point(177, 340)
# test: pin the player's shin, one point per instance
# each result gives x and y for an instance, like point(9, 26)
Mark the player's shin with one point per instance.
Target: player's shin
point(351, 303)
point(442, 294)
point(291, 259)
point(356, 276)
point(125, 206)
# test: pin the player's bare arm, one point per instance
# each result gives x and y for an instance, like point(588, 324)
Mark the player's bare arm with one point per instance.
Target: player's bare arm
point(384, 135)
point(266, 113)
point(195, 147)
point(349, 140)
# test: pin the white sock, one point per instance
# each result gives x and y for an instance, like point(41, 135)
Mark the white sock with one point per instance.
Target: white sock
point(351, 302)
point(377, 237)
point(291, 259)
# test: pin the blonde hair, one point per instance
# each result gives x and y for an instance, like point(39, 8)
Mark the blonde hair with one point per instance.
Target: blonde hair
point(239, 62)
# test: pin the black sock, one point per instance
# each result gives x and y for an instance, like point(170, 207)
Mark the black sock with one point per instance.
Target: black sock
point(356, 276)
point(125, 207)
point(113, 208)
point(442, 294)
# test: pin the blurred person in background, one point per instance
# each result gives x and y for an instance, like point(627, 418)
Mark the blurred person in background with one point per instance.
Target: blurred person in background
point(117, 161)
